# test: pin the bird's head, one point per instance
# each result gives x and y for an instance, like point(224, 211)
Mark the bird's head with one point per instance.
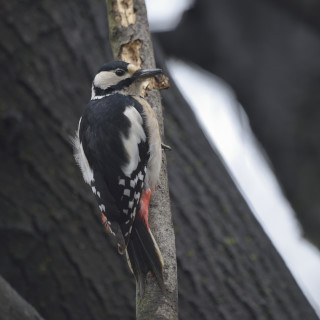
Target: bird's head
point(120, 77)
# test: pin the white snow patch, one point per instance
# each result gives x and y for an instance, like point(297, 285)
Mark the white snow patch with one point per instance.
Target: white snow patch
point(165, 15)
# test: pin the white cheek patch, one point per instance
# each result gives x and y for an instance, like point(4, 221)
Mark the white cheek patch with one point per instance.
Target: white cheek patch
point(81, 158)
point(105, 79)
point(136, 135)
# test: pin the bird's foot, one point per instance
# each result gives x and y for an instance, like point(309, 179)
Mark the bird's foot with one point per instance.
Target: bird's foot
point(165, 147)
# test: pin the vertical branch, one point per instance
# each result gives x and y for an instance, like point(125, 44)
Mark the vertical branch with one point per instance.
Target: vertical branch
point(131, 42)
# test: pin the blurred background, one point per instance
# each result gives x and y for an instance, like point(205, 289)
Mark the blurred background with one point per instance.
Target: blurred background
point(255, 65)
point(242, 118)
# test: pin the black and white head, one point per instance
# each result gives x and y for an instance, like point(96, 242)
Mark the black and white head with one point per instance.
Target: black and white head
point(120, 77)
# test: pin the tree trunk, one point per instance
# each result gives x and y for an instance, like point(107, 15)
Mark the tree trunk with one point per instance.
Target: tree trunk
point(54, 251)
point(13, 306)
point(131, 42)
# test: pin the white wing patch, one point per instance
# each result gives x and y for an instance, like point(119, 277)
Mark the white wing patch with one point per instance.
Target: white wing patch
point(81, 158)
point(136, 135)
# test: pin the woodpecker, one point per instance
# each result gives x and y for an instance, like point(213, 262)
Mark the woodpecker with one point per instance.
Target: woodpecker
point(118, 149)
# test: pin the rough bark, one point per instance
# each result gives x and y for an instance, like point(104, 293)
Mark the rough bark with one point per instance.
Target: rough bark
point(13, 306)
point(131, 42)
point(54, 251)
point(270, 57)
point(228, 268)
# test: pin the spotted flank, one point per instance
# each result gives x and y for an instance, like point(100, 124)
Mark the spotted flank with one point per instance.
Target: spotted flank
point(131, 188)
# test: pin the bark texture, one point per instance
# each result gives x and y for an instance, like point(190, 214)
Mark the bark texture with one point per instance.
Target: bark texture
point(54, 251)
point(131, 42)
point(13, 306)
point(268, 52)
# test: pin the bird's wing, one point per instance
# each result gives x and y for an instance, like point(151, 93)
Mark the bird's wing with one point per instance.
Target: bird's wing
point(115, 146)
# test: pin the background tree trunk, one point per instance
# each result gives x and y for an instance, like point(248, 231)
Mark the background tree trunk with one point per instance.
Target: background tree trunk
point(268, 52)
point(54, 251)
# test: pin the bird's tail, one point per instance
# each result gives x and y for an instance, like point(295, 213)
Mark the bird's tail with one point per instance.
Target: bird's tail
point(143, 255)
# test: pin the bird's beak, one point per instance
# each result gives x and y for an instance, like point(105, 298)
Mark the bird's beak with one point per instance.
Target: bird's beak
point(146, 73)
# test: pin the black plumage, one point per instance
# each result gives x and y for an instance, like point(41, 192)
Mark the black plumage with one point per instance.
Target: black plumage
point(112, 149)
point(102, 124)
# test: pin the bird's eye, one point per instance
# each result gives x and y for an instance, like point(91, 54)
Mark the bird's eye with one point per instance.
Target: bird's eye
point(120, 72)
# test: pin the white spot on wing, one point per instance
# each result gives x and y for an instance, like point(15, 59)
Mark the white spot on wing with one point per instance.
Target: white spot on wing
point(121, 182)
point(130, 204)
point(141, 176)
point(133, 214)
point(137, 195)
point(98, 194)
point(135, 136)
point(94, 190)
point(126, 192)
point(102, 207)
point(125, 211)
